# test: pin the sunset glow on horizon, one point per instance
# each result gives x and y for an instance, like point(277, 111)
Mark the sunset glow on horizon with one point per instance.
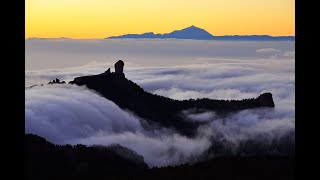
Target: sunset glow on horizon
point(85, 19)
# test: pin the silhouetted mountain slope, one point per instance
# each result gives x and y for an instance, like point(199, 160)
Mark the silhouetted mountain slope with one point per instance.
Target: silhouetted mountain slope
point(246, 168)
point(44, 160)
point(158, 109)
point(194, 32)
point(191, 32)
point(254, 38)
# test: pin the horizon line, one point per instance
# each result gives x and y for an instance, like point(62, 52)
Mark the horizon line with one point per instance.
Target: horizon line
point(26, 38)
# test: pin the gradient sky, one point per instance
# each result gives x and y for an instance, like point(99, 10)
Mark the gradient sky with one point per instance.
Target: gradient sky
point(85, 19)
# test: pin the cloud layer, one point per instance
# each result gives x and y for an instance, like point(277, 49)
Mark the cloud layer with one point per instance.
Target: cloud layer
point(62, 53)
point(71, 114)
point(68, 114)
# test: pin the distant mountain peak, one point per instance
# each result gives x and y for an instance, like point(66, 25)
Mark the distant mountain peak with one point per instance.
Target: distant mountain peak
point(192, 26)
point(194, 32)
point(191, 32)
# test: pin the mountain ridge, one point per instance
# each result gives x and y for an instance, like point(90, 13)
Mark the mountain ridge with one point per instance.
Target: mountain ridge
point(160, 110)
point(196, 33)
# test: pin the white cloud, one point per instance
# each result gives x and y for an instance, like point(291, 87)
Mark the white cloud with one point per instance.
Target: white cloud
point(268, 50)
point(290, 54)
point(218, 70)
point(68, 114)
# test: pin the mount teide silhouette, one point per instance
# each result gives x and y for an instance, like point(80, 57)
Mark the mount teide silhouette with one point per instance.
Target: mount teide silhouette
point(197, 33)
point(159, 110)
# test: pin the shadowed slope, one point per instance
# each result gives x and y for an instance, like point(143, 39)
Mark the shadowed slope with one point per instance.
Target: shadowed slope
point(44, 160)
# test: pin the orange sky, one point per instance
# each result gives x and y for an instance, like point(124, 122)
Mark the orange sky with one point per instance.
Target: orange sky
point(85, 19)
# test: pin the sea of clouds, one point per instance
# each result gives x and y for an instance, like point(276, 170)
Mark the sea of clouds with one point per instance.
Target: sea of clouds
point(68, 114)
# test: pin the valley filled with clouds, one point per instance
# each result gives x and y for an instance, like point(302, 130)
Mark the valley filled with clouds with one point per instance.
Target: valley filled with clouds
point(178, 69)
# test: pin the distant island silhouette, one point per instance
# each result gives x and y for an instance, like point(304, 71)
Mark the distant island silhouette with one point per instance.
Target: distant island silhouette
point(160, 110)
point(197, 33)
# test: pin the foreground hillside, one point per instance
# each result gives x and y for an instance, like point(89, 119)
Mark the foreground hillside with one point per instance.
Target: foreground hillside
point(44, 160)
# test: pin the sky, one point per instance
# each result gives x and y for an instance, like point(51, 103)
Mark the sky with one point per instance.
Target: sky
point(95, 19)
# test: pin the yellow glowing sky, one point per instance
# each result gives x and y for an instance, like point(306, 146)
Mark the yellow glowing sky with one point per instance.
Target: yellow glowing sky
point(85, 19)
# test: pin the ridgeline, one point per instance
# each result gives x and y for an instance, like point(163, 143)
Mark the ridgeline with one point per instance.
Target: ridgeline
point(159, 110)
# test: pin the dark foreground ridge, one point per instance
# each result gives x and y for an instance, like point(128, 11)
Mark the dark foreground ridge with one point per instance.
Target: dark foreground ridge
point(44, 160)
point(159, 110)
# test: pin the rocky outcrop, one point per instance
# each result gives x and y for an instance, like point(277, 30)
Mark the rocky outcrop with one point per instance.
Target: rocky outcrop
point(118, 66)
point(56, 81)
point(108, 71)
point(266, 99)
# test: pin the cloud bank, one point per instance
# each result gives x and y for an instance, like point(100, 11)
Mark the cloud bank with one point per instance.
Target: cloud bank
point(67, 114)
point(66, 53)
point(71, 114)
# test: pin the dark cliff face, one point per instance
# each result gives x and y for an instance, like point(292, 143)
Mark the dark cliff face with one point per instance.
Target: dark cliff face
point(266, 99)
point(158, 109)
